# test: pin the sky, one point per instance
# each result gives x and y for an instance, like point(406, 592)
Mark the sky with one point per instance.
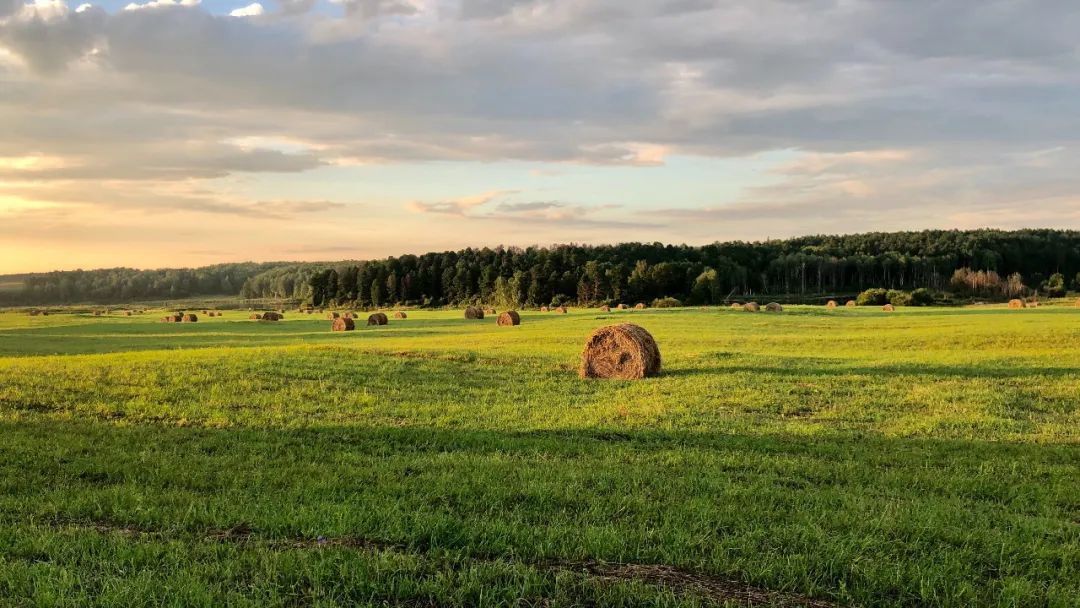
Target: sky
point(157, 133)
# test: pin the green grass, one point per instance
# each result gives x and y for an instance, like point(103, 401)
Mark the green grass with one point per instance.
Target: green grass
point(924, 457)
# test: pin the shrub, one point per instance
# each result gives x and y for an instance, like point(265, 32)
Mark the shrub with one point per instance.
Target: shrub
point(872, 297)
point(922, 297)
point(898, 298)
point(666, 303)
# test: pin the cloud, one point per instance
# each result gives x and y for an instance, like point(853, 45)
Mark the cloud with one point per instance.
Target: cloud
point(252, 10)
point(152, 4)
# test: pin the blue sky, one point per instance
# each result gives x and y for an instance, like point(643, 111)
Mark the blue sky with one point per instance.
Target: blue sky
point(179, 132)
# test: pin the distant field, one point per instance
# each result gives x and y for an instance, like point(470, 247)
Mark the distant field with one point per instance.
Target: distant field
point(813, 457)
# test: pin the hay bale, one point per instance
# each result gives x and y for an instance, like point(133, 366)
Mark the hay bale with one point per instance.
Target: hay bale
point(1078, 302)
point(489, 311)
point(639, 306)
point(206, 312)
point(625, 351)
point(851, 304)
point(256, 317)
point(349, 315)
point(621, 307)
point(774, 307)
point(1017, 304)
point(508, 318)
point(332, 315)
point(400, 315)
point(97, 313)
point(736, 306)
point(561, 310)
point(605, 308)
point(543, 309)
point(830, 304)
point(189, 318)
point(272, 316)
point(474, 312)
point(342, 324)
point(127, 313)
point(751, 307)
point(888, 308)
point(376, 318)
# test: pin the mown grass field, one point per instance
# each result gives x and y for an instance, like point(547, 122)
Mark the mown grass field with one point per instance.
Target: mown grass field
point(848, 457)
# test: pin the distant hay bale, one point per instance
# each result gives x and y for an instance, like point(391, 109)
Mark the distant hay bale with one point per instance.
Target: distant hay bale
point(350, 315)
point(44, 313)
point(127, 313)
point(605, 308)
point(830, 304)
point(376, 318)
point(851, 304)
point(543, 309)
point(888, 308)
point(1017, 304)
point(474, 312)
point(774, 307)
point(272, 316)
point(561, 310)
point(172, 318)
point(256, 317)
point(751, 307)
point(1078, 302)
point(625, 351)
point(400, 315)
point(189, 318)
point(332, 315)
point(206, 312)
point(510, 317)
point(736, 306)
point(489, 311)
point(97, 313)
point(639, 306)
point(342, 324)
point(621, 307)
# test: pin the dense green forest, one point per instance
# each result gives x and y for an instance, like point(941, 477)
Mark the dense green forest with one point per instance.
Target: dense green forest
point(980, 263)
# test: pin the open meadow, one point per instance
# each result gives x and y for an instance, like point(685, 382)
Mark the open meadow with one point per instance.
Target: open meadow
point(811, 457)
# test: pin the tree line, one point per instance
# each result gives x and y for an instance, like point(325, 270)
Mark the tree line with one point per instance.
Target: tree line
point(984, 263)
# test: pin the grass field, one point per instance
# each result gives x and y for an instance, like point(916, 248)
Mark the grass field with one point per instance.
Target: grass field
point(847, 457)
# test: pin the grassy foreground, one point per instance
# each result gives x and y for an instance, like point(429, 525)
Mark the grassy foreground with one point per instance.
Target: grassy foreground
point(813, 457)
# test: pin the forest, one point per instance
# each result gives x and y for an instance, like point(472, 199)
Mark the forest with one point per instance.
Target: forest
point(993, 264)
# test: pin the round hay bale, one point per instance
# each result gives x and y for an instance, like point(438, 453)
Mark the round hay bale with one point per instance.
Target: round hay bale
point(272, 316)
point(621, 307)
point(605, 308)
point(350, 315)
point(377, 318)
point(44, 313)
point(1078, 302)
point(543, 309)
point(774, 307)
point(888, 308)
point(639, 306)
point(189, 318)
point(206, 312)
point(489, 311)
point(751, 307)
point(508, 318)
point(851, 304)
point(400, 315)
point(1017, 304)
point(561, 310)
point(127, 313)
point(332, 315)
point(625, 351)
point(830, 304)
point(736, 306)
point(474, 312)
point(256, 317)
point(342, 324)
point(97, 313)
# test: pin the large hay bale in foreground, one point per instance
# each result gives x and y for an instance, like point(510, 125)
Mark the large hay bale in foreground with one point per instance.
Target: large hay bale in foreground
point(851, 304)
point(774, 307)
point(342, 324)
point(400, 315)
point(510, 317)
point(561, 310)
point(1017, 304)
point(474, 312)
point(605, 308)
point(189, 318)
point(624, 351)
point(621, 307)
point(639, 306)
point(830, 304)
point(377, 318)
point(751, 307)
point(888, 308)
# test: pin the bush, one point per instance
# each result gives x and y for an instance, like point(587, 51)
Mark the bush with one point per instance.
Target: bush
point(922, 297)
point(873, 297)
point(898, 298)
point(666, 303)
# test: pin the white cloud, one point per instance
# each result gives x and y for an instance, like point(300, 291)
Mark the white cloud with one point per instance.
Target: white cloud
point(84, 7)
point(252, 10)
point(134, 6)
